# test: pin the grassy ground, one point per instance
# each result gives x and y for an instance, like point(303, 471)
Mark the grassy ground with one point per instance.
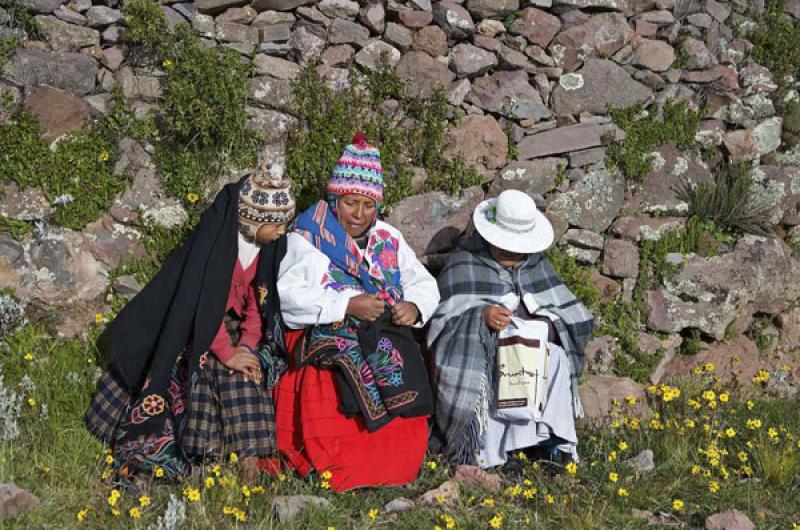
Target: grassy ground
point(712, 452)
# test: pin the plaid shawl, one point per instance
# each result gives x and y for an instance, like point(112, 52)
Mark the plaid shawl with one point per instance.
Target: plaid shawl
point(464, 347)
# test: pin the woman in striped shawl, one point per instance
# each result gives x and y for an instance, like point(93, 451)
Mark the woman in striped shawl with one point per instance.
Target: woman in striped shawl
point(504, 261)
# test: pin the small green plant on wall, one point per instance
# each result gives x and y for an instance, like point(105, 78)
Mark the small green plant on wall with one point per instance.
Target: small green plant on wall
point(413, 135)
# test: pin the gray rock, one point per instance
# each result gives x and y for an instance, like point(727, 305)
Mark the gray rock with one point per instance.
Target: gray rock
point(312, 14)
point(279, 5)
point(601, 352)
point(113, 243)
point(471, 61)
point(126, 286)
point(288, 507)
point(173, 17)
point(274, 125)
point(145, 190)
point(27, 204)
point(343, 31)
point(699, 56)
point(602, 35)
point(643, 461)
point(530, 176)
point(269, 18)
point(563, 140)
point(583, 256)
point(621, 259)
point(718, 10)
point(271, 92)
point(275, 32)
point(138, 86)
point(399, 36)
point(75, 72)
point(512, 59)
point(593, 202)
point(583, 239)
point(751, 144)
point(446, 494)
point(58, 111)
point(238, 15)
point(62, 13)
point(702, 295)
point(458, 91)
point(275, 67)
point(112, 57)
point(41, 6)
point(370, 56)
point(646, 228)
point(401, 504)
point(433, 222)
point(340, 56)
point(214, 7)
point(432, 40)
point(653, 54)
point(586, 157)
point(479, 140)
point(618, 5)
point(509, 94)
point(15, 500)
point(233, 32)
point(492, 8)
point(186, 10)
point(65, 37)
point(453, 19)
point(339, 8)
point(538, 26)
point(100, 103)
point(729, 520)
point(599, 391)
point(101, 16)
point(415, 19)
point(374, 17)
point(599, 84)
point(307, 43)
point(422, 74)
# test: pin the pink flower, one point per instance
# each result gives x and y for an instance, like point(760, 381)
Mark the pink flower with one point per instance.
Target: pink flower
point(388, 258)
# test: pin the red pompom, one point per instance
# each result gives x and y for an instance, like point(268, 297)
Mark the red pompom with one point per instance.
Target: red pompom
point(359, 139)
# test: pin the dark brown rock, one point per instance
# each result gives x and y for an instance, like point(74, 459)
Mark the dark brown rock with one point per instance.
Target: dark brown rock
point(538, 26)
point(431, 39)
point(509, 94)
point(530, 176)
point(453, 19)
point(57, 110)
point(75, 72)
point(479, 140)
point(422, 73)
point(563, 140)
point(621, 259)
point(595, 87)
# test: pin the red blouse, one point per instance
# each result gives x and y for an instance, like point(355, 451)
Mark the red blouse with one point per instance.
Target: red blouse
point(242, 300)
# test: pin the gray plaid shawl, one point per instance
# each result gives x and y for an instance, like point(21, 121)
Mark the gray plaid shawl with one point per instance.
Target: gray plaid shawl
point(464, 347)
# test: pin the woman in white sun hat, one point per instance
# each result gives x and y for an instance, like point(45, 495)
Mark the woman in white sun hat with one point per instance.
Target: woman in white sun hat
point(507, 341)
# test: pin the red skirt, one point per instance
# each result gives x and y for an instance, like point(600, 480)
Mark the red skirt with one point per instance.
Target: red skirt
point(313, 434)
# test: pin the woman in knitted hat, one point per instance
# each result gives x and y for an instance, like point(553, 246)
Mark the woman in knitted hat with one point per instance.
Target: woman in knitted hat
point(195, 353)
point(354, 404)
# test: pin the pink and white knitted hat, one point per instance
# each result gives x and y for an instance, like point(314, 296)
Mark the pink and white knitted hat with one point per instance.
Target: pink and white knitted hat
point(358, 171)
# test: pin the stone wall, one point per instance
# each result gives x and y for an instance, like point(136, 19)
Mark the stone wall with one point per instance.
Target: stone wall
point(538, 73)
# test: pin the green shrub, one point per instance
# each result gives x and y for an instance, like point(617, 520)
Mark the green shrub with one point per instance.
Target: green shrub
point(576, 277)
point(729, 200)
point(6, 47)
point(645, 131)
point(122, 122)
point(776, 44)
point(761, 331)
point(76, 177)
point(328, 120)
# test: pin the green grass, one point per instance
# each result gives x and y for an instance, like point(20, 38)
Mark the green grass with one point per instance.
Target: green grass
point(57, 459)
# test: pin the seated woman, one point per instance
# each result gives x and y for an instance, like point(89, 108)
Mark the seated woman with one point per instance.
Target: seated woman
point(498, 280)
point(355, 401)
point(165, 401)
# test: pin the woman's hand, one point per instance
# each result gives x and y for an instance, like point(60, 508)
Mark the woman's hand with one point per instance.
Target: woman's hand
point(366, 307)
point(247, 363)
point(496, 317)
point(405, 314)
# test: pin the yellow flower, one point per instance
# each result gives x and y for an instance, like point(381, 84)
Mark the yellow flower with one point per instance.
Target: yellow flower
point(522, 456)
point(572, 468)
point(694, 404)
point(785, 368)
point(106, 474)
point(749, 405)
point(742, 456)
point(695, 469)
point(496, 521)
point(549, 499)
point(134, 513)
point(104, 156)
point(431, 465)
point(677, 505)
point(622, 445)
point(373, 514)
point(326, 475)
point(144, 501)
point(712, 405)
point(191, 494)
point(612, 456)
point(209, 482)
point(613, 477)
point(192, 197)
point(45, 469)
point(115, 512)
point(158, 472)
point(216, 470)
point(698, 370)
point(689, 423)
point(713, 486)
point(753, 423)
point(245, 490)
point(622, 492)
point(281, 477)
point(325, 485)
point(761, 377)
point(724, 397)
point(709, 395)
point(28, 357)
point(233, 458)
point(747, 470)
point(257, 490)
point(98, 318)
point(708, 367)
point(488, 501)
point(449, 521)
point(31, 402)
point(109, 459)
point(81, 515)
point(166, 63)
point(530, 493)
point(113, 498)
point(630, 399)
point(730, 432)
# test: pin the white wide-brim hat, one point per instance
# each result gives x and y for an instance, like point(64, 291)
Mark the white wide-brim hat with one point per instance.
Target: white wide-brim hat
point(512, 222)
